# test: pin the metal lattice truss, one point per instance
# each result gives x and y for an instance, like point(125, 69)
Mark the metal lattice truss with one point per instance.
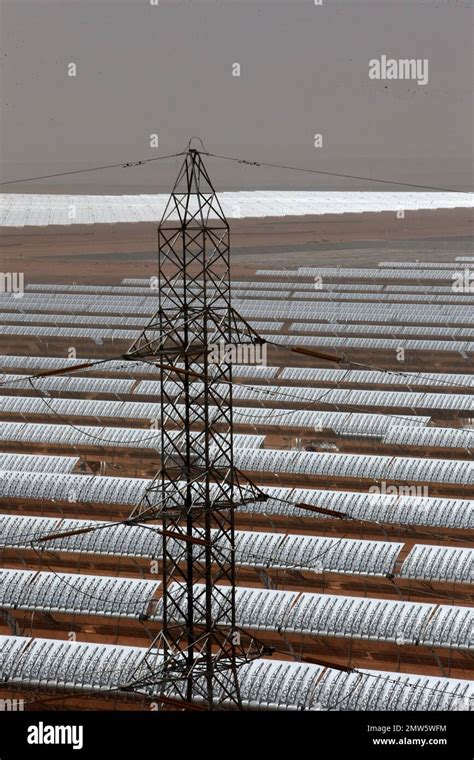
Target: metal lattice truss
point(197, 487)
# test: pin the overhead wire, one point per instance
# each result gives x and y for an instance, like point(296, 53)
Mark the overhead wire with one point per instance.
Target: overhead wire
point(121, 165)
point(327, 174)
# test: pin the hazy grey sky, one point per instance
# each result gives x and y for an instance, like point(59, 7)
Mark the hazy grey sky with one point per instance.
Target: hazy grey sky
point(168, 69)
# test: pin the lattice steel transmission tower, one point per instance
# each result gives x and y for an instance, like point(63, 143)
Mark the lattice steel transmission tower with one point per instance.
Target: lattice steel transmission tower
point(197, 488)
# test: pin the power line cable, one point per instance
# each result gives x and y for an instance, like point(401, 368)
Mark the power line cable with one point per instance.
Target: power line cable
point(328, 174)
point(122, 165)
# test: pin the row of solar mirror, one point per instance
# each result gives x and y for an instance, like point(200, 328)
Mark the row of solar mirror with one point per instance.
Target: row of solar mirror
point(272, 684)
point(420, 264)
point(72, 407)
point(353, 397)
point(324, 296)
point(97, 335)
point(371, 312)
point(369, 274)
point(320, 293)
point(383, 343)
point(358, 273)
point(141, 305)
point(376, 377)
point(50, 663)
point(411, 311)
point(37, 463)
point(84, 319)
point(396, 316)
point(299, 286)
point(259, 311)
point(274, 285)
point(54, 485)
point(325, 328)
point(424, 562)
point(27, 432)
point(264, 684)
point(104, 333)
point(315, 614)
point(275, 550)
point(150, 207)
point(78, 300)
point(402, 622)
point(70, 592)
point(347, 422)
point(344, 422)
point(40, 363)
point(430, 436)
point(152, 287)
point(267, 550)
point(71, 384)
point(315, 553)
point(405, 506)
point(376, 468)
point(426, 289)
point(119, 305)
